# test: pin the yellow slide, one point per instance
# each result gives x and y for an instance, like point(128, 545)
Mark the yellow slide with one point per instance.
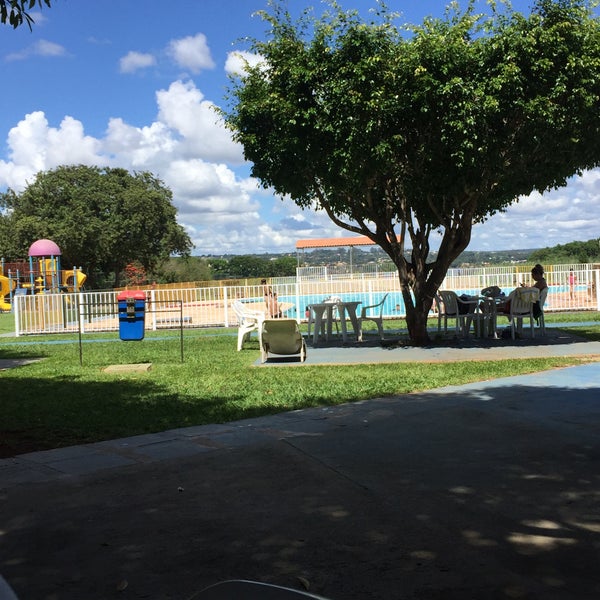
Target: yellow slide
point(5, 291)
point(69, 280)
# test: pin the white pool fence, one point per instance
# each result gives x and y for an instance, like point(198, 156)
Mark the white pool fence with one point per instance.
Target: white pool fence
point(211, 306)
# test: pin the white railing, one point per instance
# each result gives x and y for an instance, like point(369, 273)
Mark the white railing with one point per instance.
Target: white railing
point(211, 306)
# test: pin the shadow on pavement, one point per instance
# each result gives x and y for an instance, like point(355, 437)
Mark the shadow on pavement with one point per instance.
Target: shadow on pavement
point(486, 492)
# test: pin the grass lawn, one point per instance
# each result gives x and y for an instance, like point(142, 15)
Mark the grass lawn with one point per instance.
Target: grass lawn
point(57, 402)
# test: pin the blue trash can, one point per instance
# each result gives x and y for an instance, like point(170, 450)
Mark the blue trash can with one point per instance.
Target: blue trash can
point(132, 315)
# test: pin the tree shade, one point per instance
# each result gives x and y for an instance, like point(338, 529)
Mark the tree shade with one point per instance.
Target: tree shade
point(398, 133)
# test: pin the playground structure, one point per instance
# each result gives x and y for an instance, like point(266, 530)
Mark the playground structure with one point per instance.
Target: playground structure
point(41, 274)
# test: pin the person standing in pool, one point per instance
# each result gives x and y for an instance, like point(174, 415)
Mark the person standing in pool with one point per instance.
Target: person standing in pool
point(271, 301)
point(572, 280)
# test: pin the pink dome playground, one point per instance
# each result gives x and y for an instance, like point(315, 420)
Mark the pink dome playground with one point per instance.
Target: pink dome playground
point(40, 274)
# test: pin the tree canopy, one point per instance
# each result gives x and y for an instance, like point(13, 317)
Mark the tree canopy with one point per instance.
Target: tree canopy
point(101, 218)
point(14, 12)
point(399, 133)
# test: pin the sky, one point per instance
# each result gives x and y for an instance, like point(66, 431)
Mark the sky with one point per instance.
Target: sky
point(135, 85)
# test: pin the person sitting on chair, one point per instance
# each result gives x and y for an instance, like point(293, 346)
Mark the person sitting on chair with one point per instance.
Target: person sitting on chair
point(271, 301)
point(537, 274)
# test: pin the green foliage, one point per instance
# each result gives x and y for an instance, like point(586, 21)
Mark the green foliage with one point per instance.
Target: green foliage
point(571, 253)
point(188, 268)
point(284, 266)
point(219, 267)
point(102, 219)
point(246, 266)
point(194, 268)
point(397, 134)
point(14, 12)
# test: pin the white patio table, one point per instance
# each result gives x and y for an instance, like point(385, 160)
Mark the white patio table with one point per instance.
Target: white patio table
point(343, 308)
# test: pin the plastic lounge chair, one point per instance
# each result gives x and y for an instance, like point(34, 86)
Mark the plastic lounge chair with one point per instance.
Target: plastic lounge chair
point(248, 321)
point(450, 306)
point(521, 307)
point(252, 590)
point(282, 336)
point(377, 318)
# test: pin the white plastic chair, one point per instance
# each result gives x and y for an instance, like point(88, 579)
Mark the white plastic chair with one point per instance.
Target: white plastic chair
point(540, 319)
point(248, 321)
point(521, 307)
point(449, 307)
point(377, 318)
point(283, 337)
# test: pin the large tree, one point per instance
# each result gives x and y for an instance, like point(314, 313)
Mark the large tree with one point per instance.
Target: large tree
point(15, 12)
point(400, 133)
point(101, 218)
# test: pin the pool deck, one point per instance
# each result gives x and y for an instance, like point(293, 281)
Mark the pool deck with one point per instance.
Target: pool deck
point(557, 342)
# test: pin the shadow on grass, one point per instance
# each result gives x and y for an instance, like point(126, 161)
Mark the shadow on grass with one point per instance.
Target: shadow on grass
point(43, 413)
point(554, 336)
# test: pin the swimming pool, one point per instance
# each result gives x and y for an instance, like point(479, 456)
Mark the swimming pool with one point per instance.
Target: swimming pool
point(394, 304)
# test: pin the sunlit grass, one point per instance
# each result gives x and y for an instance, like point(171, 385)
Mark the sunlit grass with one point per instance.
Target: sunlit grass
point(56, 401)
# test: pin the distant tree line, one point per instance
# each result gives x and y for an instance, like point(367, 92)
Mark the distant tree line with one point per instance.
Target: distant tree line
point(209, 268)
point(573, 252)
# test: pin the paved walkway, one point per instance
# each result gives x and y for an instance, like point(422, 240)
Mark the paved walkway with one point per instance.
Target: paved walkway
point(486, 491)
point(555, 343)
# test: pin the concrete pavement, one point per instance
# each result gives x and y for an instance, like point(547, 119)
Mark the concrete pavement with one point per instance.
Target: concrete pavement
point(487, 491)
point(556, 342)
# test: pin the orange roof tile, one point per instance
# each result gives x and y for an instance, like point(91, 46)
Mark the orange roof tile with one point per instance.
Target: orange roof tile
point(360, 240)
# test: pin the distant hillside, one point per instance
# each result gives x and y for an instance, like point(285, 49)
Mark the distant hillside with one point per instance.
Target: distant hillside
point(358, 256)
point(284, 264)
point(498, 257)
point(329, 256)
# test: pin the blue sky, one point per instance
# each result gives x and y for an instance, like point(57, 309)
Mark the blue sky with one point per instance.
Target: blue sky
point(133, 85)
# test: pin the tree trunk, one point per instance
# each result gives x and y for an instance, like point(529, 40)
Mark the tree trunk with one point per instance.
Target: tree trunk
point(117, 273)
point(416, 320)
point(420, 281)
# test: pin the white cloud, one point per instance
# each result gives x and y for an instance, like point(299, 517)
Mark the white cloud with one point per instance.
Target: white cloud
point(38, 18)
point(191, 52)
point(35, 146)
point(224, 210)
point(186, 146)
point(544, 220)
point(133, 61)
point(203, 187)
point(183, 109)
point(140, 148)
point(39, 48)
point(238, 61)
point(46, 48)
